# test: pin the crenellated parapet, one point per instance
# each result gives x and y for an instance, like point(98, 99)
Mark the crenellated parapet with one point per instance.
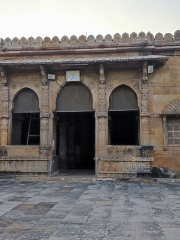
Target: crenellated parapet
point(133, 39)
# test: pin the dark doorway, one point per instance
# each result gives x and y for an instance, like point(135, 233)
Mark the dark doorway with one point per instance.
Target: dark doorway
point(123, 127)
point(76, 129)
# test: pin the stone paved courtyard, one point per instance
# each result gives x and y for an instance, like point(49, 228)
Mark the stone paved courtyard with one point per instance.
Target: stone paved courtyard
point(89, 210)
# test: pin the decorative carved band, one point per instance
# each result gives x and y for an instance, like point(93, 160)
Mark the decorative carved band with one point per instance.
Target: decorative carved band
point(120, 152)
point(3, 151)
point(24, 166)
point(3, 76)
point(124, 167)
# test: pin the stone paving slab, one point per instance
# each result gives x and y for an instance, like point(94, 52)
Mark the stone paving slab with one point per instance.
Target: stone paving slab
point(99, 210)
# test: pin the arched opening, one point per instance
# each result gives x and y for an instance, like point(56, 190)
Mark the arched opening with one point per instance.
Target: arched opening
point(75, 135)
point(26, 118)
point(123, 117)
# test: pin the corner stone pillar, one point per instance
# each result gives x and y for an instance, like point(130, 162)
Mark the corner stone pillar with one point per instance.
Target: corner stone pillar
point(44, 117)
point(144, 105)
point(4, 107)
point(102, 109)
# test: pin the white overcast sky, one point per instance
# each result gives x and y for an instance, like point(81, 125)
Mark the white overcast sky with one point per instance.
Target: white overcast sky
point(43, 18)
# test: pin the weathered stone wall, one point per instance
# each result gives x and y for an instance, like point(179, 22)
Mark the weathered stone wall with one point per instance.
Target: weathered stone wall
point(155, 92)
point(164, 88)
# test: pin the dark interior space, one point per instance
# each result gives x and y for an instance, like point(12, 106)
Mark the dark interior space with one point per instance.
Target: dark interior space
point(123, 127)
point(26, 129)
point(76, 129)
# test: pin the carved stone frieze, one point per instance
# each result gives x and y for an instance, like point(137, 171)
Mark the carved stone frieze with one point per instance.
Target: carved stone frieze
point(125, 152)
point(3, 151)
point(123, 159)
point(124, 167)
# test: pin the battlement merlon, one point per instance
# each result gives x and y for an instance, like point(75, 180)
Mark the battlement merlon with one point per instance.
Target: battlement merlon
point(132, 42)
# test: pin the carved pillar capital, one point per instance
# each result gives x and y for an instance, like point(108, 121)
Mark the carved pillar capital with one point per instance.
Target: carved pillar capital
point(44, 78)
point(101, 73)
point(3, 72)
point(144, 68)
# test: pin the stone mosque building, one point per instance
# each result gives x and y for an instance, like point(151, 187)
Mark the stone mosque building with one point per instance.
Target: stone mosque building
point(114, 99)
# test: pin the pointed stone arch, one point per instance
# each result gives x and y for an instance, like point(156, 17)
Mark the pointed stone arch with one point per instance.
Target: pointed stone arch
point(123, 117)
point(123, 98)
point(25, 118)
point(74, 97)
point(26, 101)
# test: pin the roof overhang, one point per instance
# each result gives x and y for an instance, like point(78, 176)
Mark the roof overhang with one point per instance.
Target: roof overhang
point(153, 59)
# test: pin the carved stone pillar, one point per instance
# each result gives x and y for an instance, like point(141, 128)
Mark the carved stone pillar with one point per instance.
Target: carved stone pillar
point(145, 106)
point(4, 107)
point(102, 109)
point(63, 147)
point(45, 108)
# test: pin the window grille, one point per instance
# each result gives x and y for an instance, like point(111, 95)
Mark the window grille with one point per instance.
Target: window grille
point(173, 131)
